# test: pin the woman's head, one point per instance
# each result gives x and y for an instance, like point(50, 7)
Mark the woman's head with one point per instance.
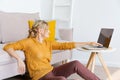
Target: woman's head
point(40, 28)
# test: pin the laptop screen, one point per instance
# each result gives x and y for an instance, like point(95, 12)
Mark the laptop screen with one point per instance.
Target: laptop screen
point(105, 36)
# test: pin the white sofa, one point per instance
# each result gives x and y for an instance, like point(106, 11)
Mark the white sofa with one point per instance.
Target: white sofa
point(13, 27)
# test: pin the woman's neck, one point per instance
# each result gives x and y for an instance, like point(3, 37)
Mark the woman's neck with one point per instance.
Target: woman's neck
point(39, 38)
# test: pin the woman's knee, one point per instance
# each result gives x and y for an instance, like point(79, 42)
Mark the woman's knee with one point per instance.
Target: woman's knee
point(76, 62)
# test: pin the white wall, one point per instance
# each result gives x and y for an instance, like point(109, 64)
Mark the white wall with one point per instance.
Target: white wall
point(46, 9)
point(89, 16)
point(20, 5)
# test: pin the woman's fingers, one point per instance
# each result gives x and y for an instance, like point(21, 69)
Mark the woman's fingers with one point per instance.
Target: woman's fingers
point(21, 67)
point(96, 44)
point(22, 70)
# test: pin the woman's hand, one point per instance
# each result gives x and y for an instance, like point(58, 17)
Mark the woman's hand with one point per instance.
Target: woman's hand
point(94, 44)
point(21, 67)
point(21, 64)
point(80, 44)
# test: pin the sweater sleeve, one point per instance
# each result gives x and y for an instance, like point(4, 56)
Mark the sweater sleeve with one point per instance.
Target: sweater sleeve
point(19, 45)
point(62, 45)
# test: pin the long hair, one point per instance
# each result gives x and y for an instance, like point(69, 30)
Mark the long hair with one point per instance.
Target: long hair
point(33, 32)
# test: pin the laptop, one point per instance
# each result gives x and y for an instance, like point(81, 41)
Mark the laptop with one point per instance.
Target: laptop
point(104, 39)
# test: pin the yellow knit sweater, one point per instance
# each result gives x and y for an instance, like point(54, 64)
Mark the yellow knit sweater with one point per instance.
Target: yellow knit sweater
point(38, 55)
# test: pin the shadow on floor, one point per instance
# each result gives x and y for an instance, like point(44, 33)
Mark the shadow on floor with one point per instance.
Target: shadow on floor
point(20, 77)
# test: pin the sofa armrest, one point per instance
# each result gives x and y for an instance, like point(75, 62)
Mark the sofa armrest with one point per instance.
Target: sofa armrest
point(66, 34)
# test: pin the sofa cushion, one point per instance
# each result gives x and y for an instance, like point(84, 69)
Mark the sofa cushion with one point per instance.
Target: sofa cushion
point(0, 27)
point(66, 34)
point(60, 55)
point(14, 26)
point(6, 59)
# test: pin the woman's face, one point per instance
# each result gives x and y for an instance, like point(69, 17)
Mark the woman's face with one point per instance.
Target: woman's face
point(44, 32)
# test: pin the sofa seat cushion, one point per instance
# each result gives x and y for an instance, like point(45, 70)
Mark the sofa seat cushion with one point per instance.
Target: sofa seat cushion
point(60, 55)
point(6, 59)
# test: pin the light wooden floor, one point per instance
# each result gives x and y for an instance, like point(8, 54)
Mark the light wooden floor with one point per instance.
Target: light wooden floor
point(99, 71)
point(115, 73)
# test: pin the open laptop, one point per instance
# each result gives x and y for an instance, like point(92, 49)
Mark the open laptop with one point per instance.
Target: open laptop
point(104, 39)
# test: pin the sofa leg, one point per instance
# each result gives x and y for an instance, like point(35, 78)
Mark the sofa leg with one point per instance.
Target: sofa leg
point(65, 61)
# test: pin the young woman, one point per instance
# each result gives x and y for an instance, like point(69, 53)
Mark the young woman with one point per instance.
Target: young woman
point(38, 54)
